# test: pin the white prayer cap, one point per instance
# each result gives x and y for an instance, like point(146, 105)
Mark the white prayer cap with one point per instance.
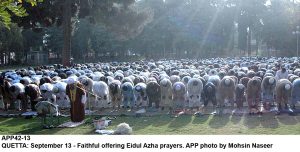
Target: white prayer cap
point(287, 87)
point(241, 86)
point(271, 80)
point(46, 87)
point(227, 81)
point(177, 87)
point(55, 89)
point(138, 87)
point(164, 81)
point(72, 80)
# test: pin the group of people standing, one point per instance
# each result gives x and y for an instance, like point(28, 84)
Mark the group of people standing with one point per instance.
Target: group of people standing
point(172, 85)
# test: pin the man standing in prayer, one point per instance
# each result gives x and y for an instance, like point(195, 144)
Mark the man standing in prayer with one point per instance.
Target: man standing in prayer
point(77, 97)
point(282, 73)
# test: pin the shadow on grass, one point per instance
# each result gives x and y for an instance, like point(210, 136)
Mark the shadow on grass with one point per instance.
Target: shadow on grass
point(31, 126)
point(297, 117)
point(235, 119)
point(19, 122)
point(39, 130)
point(219, 121)
point(137, 123)
point(287, 120)
point(269, 121)
point(83, 129)
point(180, 121)
point(251, 121)
point(18, 125)
point(162, 120)
point(200, 120)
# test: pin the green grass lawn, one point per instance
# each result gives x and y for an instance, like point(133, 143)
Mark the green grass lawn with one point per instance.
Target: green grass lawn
point(12, 67)
point(165, 125)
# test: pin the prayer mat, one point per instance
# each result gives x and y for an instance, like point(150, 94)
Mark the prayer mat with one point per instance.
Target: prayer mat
point(29, 113)
point(105, 132)
point(71, 124)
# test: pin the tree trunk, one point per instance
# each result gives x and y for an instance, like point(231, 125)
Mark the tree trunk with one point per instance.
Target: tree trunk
point(2, 58)
point(66, 52)
point(9, 58)
point(249, 42)
point(256, 46)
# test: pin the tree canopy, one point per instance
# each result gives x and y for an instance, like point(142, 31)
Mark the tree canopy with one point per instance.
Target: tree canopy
point(14, 7)
point(158, 28)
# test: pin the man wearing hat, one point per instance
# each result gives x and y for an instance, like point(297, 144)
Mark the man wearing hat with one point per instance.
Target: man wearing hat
point(76, 95)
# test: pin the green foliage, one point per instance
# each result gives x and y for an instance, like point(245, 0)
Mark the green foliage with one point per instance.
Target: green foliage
point(11, 40)
point(14, 7)
point(174, 28)
point(123, 18)
point(277, 31)
point(88, 38)
point(158, 28)
point(186, 29)
point(120, 17)
point(32, 40)
point(54, 39)
point(209, 28)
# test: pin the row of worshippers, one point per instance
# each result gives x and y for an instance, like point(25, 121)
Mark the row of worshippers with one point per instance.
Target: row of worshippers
point(169, 84)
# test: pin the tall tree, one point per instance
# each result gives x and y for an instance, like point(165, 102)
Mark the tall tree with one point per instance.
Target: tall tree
point(249, 21)
point(119, 16)
point(11, 43)
point(67, 27)
point(277, 31)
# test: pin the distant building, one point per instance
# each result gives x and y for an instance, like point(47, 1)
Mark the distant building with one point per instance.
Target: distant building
point(37, 57)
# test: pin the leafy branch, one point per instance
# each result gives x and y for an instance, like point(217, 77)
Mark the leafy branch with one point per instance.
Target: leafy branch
point(14, 7)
